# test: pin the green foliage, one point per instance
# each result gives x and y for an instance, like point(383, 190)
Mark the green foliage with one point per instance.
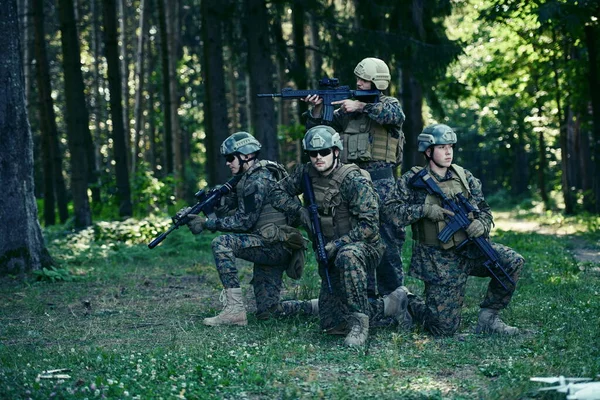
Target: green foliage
point(53, 274)
point(150, 194)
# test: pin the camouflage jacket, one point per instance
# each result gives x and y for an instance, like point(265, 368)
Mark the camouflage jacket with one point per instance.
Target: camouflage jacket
point(356, 190)
point(406, 207)
point(250, 203)
point(386, 112)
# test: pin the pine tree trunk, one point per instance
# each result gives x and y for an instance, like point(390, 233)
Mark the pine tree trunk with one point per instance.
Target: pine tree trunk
point(260, 70)
point(76, 114)
point(299, 74)
point(166, 93)
point(22, 246)
point(124, 59)
point(591, 36)
point(139, 73)
point(116, 110)
point(215, 104)
point(97, 102)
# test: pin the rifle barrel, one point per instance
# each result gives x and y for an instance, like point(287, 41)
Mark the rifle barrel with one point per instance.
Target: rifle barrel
point(268, 95)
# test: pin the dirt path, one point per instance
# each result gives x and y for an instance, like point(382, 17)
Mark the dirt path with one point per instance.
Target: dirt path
point(583, 250)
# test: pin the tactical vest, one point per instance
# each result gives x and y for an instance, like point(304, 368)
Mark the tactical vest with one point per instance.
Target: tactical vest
point(336, 220)
point(268, 214)
point(426, 230)
point(366, 140)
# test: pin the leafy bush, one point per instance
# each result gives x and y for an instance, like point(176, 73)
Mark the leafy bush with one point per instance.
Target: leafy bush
point(54, 274)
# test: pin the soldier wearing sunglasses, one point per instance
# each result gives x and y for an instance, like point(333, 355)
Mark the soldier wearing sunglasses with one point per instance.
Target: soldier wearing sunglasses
point(372, 136)
point(254, 231)
point(349, 216)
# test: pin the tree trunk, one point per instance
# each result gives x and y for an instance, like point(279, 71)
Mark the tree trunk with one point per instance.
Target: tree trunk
point(139, 74)
point(22, 246)
point(51, 170)
point(591, 39)
point(116, 111)
point(412, 102)
point(77, 117)
point(164, 50)
point(95, 160)
point(299, 68)
point(260, 69)
point(215, 104)
point(124, 59)
point(178, 168)
point(316, 59)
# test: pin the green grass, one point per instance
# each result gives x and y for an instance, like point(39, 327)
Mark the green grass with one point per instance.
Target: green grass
point(129, 325)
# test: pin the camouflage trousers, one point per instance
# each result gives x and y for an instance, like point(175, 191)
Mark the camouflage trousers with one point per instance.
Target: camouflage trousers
point(270, 262)
point(389, 274)
point(440, 312)
point(348, 277)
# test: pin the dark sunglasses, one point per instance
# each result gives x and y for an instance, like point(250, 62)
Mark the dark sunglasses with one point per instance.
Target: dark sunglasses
point(229, 158)
point(322, 153)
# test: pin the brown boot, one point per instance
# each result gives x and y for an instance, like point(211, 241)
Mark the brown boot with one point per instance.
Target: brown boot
point(359, 330)
point(234, 312)
point(490, 322)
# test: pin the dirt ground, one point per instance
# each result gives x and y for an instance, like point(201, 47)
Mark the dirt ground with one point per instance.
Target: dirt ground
point(585, 251)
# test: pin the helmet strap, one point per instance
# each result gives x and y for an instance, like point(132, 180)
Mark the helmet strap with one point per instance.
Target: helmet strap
point(242, 162)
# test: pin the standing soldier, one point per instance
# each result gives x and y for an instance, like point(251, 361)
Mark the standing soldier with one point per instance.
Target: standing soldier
point(441, 266)
point(373, 139)
point(256, 233)
point(349, 217)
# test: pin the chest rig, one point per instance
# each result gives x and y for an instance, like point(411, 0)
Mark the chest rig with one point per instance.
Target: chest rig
point(366, 140)
point(426, 230)
point(335, 215)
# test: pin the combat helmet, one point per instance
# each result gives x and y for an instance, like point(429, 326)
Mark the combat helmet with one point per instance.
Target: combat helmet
point(321, 137)
point(374, 70)
point(240, 142)
point(434, 135)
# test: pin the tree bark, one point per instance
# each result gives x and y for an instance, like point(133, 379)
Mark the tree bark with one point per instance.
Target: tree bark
point(412, 102)
point(22, 246)
point(164, 50)
point(260, 70)
point(124, 59)
point(299, 68)
point(116, 110)
point(591, 38)
point(78, 131)
point(139, 73)
point(316, 59)
point(178, 168)
point(95, 159)
point(215, 103)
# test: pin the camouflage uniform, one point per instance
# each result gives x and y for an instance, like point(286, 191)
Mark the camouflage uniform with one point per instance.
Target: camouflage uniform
point(358, 250)
point(384, 116)
point(445, 271)
point(246, 242)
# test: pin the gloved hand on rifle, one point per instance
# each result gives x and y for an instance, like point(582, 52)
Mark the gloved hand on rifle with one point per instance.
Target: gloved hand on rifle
point(331, 250)
point(305, 218)
point(196, 223)
point(182, 212)
point(436, 213)
point(475, 229)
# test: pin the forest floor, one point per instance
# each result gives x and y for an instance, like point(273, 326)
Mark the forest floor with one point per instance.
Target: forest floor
point(129, 325)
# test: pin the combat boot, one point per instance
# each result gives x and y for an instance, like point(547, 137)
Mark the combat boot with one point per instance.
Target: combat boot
point(359, 330)
point(490, 322)
point(234, 312)
point(314, 307)
point(395, 305)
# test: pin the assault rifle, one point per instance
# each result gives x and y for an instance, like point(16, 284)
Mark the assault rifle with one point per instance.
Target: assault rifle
point(330, 91)
point(206, 204)
point(318, 239)
point(461, 209)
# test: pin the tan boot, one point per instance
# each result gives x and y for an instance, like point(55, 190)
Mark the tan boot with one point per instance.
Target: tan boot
point(314, 304)
point(395, 305)
point(234, 312)
point(490, 322)
point(359, 330)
